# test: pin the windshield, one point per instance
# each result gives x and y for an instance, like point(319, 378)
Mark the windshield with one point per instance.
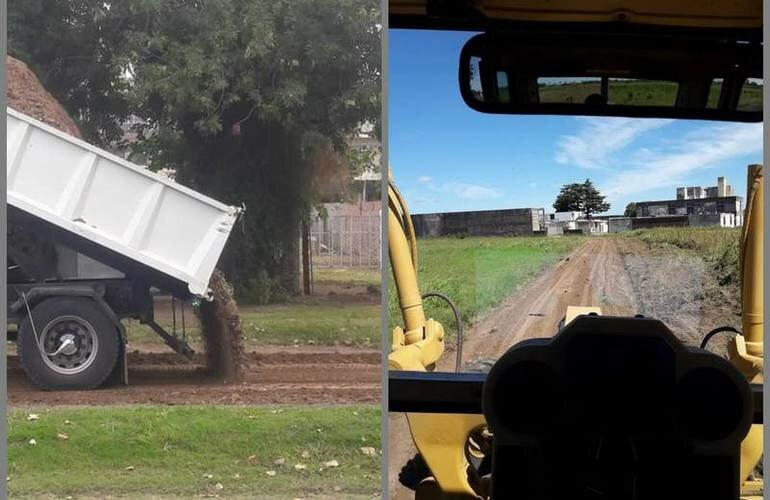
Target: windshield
point(519, 217)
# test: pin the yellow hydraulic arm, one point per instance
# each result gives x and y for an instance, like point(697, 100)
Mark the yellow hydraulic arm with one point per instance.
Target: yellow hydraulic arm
point(441, 439)
point(745, 350)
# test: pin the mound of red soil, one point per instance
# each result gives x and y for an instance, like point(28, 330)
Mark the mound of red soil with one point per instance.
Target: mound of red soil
point(27, 95)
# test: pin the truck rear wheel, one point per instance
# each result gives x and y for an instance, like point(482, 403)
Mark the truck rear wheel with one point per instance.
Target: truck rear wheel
point(73, 345)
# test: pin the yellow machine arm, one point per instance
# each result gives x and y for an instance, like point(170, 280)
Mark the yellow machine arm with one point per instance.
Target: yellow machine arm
point(440, 438)
point(420, 343)
point(745, 350)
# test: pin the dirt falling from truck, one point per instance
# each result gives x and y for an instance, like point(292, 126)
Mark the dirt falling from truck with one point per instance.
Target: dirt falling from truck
point(221, 328)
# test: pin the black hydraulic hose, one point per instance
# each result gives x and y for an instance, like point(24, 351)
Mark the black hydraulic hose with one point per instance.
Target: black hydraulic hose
point(721, 329)
point(458, 323)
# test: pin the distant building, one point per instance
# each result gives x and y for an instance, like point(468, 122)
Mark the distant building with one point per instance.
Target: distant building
point(705, 206)
point(721, 190)
point(571, 222)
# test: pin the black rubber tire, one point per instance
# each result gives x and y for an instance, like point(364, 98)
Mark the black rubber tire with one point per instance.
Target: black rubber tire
point(107, 334)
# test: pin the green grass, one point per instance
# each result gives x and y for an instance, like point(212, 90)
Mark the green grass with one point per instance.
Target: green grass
point(321, 324)
point(187, 450)
point(478, 273)
point(720, 247)
point(346, 276)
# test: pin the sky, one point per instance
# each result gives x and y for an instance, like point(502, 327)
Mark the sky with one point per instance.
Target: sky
point(445, 156)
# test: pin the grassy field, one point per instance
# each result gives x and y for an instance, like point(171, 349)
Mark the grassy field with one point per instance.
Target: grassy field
point(194, 450)
point(319, 324)
point(287, 324)
point(477, 273)
point(720, 247)
point(344, 311)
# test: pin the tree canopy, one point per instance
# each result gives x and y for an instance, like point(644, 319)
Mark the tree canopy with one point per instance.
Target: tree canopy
point(630, 210)
point(581, 197)
point(247, 99)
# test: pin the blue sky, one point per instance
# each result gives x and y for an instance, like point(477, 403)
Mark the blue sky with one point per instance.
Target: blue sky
point(447, 157)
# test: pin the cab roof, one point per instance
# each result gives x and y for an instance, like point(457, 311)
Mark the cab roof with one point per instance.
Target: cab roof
point(479, 15)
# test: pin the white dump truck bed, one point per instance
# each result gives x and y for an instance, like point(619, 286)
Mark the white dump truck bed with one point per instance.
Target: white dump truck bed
point(114, 203)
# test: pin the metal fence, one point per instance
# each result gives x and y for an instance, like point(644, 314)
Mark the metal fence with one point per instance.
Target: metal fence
point(346, 241)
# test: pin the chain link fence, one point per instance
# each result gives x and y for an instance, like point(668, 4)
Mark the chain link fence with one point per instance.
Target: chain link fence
point(349, 237)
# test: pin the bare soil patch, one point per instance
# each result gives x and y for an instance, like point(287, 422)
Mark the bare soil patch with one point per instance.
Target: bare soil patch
point(290, 375)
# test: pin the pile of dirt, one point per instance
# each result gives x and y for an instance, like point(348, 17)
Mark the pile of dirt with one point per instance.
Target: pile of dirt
point(221, 328)
point(27, 95)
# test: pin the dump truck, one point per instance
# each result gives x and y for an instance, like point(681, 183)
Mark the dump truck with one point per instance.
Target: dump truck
point(92, 238)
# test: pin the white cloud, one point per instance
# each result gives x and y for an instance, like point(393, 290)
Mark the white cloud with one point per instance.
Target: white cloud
point(466, 191)
point(424, 179)
point(702, 148)
point(592, 146)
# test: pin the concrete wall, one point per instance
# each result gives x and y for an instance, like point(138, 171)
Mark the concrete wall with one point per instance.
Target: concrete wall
point(671, 221)
point(620, 225)
point(723, 220)
point(507, 222)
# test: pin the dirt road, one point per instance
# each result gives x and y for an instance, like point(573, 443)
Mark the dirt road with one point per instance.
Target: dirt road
point(276, 375)
point(621, 275)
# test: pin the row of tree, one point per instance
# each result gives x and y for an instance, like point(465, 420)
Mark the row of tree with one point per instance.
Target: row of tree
point(246, 99)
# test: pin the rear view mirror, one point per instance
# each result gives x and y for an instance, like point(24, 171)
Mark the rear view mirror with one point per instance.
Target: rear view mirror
point(603, 75)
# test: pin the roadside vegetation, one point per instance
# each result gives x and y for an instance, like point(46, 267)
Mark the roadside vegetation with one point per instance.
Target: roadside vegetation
point(478, 272)
point(719, 247)
point(194, 450)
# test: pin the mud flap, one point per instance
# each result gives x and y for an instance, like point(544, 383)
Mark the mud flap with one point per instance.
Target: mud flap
point(119, 374)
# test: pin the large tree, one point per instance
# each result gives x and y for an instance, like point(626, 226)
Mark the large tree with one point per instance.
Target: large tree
point(244, 98)
point(581, 197)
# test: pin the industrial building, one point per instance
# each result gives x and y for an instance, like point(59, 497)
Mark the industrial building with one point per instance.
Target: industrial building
point(704, 206)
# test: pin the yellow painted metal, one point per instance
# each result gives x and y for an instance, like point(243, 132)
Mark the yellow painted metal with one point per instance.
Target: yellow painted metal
point(752, 490)
point(419, 355)
point(745, 351)
point(442, 441)
point(711, 14)
point(418, 345)
point(751, 262)
point(575, 311)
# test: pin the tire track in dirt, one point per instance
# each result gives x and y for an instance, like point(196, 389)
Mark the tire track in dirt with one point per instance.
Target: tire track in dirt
point(291, 376)
point(592, 275)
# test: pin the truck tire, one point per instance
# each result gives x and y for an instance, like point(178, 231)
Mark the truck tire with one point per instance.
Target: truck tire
point(76, 347)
